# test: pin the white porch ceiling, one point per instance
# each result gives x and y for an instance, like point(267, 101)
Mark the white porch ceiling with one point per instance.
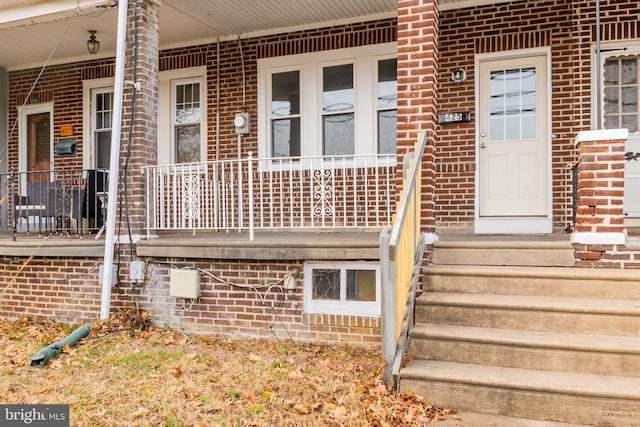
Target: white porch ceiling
point(30, 29)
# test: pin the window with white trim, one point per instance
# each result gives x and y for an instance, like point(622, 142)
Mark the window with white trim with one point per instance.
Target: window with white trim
point(284, 118)
point(387, 105)
point(102, 114)
point(342, 288)
point(182, 115)
point(621, 92)
point(186, 120)
point(338, 102)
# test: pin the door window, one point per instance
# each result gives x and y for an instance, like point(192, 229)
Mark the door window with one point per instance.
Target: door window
point(512, 104)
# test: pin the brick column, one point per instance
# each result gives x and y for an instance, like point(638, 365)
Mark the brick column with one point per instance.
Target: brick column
point(417, 91)
point(144, 142)
point(599, 217)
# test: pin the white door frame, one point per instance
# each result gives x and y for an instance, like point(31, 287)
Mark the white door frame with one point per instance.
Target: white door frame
point(514, 225)
point(23, 140)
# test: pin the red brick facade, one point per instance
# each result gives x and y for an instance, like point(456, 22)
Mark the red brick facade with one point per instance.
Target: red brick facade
point(430, 45)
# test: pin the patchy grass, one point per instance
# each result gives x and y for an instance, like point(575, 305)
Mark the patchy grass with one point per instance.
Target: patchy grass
point(154, 377)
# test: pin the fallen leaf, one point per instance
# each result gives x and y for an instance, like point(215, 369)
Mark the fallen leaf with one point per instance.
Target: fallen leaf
point(301, 409)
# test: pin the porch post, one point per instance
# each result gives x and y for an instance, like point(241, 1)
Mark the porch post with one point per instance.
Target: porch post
point(140, 130)
point(599, 215)
point(4, 119)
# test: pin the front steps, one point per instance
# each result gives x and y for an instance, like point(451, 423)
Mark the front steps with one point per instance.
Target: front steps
point(554, 344)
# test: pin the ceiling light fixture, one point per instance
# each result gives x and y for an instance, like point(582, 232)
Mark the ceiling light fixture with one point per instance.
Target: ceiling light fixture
point(93, 45)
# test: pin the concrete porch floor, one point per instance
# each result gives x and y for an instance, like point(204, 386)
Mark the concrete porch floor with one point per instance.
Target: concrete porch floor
point(266, 245)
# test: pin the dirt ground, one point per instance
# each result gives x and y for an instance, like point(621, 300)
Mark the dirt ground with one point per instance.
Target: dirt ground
point(126, 372)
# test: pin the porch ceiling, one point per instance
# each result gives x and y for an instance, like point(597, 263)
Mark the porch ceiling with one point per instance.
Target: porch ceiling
point(30, 29)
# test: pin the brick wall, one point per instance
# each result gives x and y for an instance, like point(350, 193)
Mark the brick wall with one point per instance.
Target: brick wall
point(567, 27)
point(418, 44)
point(45, 289)
point(253, 305)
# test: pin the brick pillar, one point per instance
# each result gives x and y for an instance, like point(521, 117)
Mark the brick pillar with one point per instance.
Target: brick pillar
point(144, 141)
point(417, 91)
point(599, 217)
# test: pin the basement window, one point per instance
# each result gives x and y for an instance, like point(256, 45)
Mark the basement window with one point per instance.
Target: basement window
point(342, 288)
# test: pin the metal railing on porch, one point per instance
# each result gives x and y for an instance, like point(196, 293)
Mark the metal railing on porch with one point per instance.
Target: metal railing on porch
point(272, 193)
point(402, 249)
point(64, 202)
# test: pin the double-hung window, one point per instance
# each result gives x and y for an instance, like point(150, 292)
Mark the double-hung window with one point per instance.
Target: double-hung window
point(338, 110)
point(102, 113)
point(284, 118)
point(332, 103)
point(387, 105)
point(182, 116)
point(187, 120)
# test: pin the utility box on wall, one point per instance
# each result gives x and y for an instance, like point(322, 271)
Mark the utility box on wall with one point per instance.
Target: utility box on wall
point(184, 283)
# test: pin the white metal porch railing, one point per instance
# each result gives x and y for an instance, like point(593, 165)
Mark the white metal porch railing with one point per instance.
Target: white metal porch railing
point(272, 193)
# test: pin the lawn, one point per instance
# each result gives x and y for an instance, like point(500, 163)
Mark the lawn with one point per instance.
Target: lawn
point(126, 372)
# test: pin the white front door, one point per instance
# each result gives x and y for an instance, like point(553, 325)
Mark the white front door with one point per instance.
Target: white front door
point(513, 146)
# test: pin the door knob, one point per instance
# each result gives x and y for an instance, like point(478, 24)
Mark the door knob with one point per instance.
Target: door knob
point(483, 145)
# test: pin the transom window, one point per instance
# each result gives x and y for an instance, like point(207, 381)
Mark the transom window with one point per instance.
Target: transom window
point(332, 103)
point(342, 288)
point(621, 93)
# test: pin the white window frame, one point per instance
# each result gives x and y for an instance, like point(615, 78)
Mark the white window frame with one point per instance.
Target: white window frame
point(166, 110)
point(88, 119)
point(376, 108)
point(618, 48)
point(364, 59)
point(353, 308)
point(95, 92)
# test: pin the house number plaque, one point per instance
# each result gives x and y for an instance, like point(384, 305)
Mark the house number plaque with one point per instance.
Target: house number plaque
point(455, 117)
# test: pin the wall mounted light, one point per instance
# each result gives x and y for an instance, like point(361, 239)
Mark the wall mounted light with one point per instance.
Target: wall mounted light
point(458, 75)
point(93, 45)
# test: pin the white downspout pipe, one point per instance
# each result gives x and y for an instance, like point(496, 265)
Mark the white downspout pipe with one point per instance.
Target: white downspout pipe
point(114, 165)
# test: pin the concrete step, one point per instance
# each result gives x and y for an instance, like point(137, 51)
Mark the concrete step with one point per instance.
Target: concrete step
point(543, 395)
point(537, 313)
point(587, 354)
point(515, 253)
point(539, 281)
point(477, 419)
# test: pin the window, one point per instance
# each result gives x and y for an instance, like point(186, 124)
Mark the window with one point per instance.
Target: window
point(338, 104)
point(621, 93)
point(182, 116)
point(387, 105)
point(342, 288)
point(332, 103)
point(285, 114)
point(513, 104)
point(102, 117)
point(618, 109)
point(186, 121)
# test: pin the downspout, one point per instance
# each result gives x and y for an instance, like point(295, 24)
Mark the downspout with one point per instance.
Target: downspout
point(114, 165)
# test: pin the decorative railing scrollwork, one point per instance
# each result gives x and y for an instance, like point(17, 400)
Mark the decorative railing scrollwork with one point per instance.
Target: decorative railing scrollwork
point(630, 155)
